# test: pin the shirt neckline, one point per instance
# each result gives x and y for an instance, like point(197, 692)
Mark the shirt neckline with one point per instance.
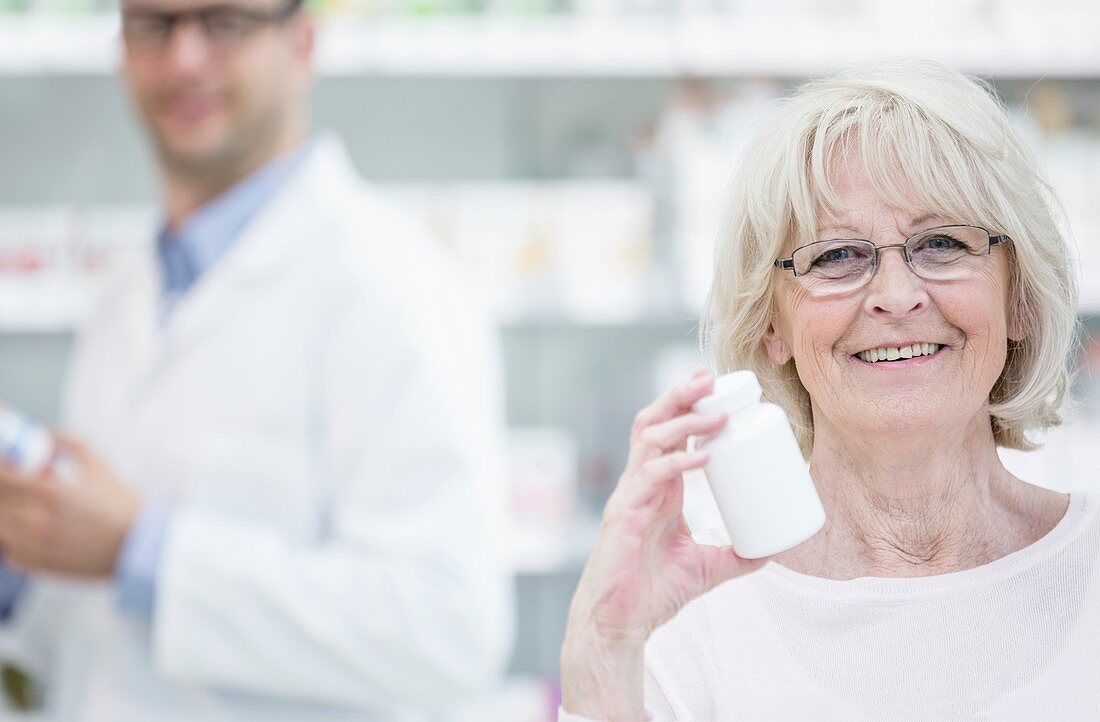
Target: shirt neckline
point(194, 246)
point(1081, 511)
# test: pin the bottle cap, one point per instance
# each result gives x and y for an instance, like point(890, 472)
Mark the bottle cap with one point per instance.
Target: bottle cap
point(732, 391)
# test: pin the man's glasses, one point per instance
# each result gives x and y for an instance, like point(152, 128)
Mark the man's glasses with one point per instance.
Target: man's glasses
point(224, 26)
point(843, 265)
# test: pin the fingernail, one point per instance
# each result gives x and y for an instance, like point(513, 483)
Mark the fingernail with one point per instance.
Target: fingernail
point(701, 382)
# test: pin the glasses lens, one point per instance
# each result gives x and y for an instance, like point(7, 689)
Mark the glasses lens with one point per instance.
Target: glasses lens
point(834, 266)
point(950, 252)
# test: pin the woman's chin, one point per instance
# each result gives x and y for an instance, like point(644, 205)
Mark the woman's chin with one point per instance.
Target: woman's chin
point(906, 414)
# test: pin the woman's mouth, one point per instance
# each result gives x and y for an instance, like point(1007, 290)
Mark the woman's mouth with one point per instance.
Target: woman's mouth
point(889, 354)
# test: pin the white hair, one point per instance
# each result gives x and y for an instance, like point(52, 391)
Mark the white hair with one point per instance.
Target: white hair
point(924, 133)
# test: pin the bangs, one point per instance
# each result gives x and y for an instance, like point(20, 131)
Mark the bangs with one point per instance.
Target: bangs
point(911, 160)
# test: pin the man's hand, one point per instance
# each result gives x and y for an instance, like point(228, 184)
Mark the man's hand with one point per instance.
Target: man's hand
point(73, 528)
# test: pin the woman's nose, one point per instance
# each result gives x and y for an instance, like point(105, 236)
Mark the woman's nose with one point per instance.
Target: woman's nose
point(895, 290)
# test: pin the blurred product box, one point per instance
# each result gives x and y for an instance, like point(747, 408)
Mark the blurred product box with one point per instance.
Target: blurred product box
point(53, 259)
point(577, 250)
point(522, 699)
point(552, 533)
point(542, 474)
point(542, 467)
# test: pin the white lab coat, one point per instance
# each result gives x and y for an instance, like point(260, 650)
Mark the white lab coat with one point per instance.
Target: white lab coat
point(324, 408)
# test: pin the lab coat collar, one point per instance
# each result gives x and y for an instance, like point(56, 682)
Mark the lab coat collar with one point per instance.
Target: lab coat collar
point(188, 250)
point(295, 212)
point(325, 175)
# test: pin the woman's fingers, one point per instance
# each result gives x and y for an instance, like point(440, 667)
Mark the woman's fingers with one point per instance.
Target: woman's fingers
point(669, 466)
point(721, 564)
point(673, 434)
point(637, 489)
point(674, 402)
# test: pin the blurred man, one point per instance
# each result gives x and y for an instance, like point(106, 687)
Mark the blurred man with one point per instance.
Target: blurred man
point(288, 502)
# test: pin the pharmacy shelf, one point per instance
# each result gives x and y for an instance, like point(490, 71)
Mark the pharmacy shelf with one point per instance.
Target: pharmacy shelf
point(59, 305)
point(61, 309)
point(697, 46)
point(553, 551)
point(561, 325)
point(597, 46)
point(50, 308)
point(63, 314)
point(45, 45)
point(38, 324)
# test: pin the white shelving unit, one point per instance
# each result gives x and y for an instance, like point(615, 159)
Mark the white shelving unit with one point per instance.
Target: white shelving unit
point(580, 376)
point(703, 46)
point(600, 46)
point(43, 309)
point(60, 310)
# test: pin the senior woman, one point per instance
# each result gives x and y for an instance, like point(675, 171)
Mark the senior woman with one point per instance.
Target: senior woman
point(894, 274)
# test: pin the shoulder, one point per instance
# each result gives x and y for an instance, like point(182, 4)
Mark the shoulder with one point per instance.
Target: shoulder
point(1078, 531)
point(365, 251)
point(374, 272)
point(372, 242)
point(1090, 536)
point(389, 283)
point(353, 229)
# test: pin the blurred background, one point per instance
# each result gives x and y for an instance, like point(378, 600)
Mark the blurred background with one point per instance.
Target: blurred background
point(574, 153)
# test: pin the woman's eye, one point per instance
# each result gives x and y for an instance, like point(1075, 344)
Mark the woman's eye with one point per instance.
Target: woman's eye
point(837, 254)
point(834, 255)
point(942, 243)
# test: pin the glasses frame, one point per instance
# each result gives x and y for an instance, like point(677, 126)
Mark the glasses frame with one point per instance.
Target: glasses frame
point(787, 264)
point(259, 19)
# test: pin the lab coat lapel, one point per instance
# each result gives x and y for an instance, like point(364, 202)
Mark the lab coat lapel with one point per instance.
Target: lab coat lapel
point(139, 342)
point(286, 219)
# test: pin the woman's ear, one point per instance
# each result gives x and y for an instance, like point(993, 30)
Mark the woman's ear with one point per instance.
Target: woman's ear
point(776, 347)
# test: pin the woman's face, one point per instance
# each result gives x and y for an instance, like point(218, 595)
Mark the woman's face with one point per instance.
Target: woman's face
point(967, 318)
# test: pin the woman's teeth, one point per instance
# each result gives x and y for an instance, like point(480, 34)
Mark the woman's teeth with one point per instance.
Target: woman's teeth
point(875, 355)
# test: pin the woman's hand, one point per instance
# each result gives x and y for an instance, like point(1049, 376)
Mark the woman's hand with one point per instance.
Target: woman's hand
point(645, 566)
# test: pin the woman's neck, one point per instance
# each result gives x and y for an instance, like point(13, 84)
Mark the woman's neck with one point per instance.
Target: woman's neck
point(898, 507)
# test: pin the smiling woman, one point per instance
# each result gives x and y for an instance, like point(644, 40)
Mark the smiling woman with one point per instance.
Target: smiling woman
point(894, 272)
point(921, 137)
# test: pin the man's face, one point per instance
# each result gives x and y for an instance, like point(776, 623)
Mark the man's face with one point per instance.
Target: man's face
point(215, 82)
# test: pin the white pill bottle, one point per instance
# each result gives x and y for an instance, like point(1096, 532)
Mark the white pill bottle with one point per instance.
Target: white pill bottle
point(25, 445)
point(760, 482)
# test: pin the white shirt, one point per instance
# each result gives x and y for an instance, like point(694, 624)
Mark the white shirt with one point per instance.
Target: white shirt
point(1015, 639)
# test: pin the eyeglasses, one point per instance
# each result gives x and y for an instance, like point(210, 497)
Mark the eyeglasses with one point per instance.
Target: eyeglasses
point(224, 26)
point(843, 265)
